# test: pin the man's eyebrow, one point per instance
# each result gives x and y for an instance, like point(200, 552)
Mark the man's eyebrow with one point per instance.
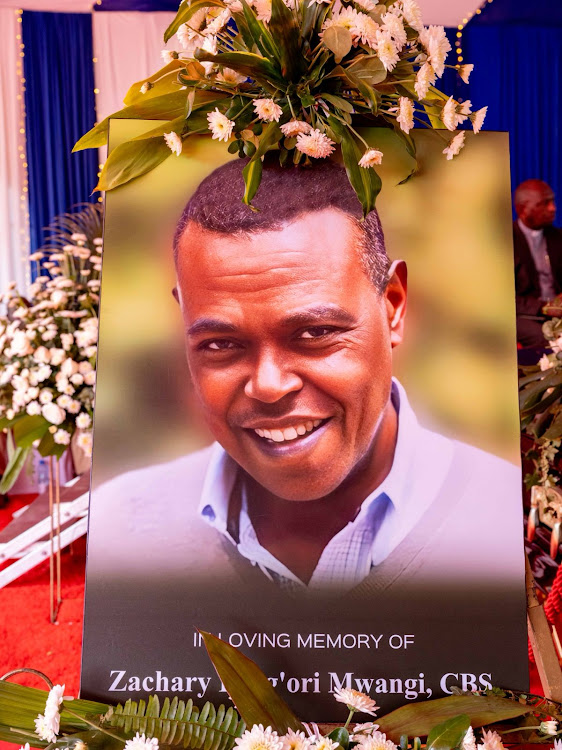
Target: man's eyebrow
point(210, 325)
point(319, 314)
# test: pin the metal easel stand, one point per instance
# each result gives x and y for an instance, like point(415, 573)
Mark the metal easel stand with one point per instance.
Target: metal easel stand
point(55, 590)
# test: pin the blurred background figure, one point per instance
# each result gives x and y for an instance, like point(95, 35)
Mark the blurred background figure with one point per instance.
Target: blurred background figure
point(538, 258)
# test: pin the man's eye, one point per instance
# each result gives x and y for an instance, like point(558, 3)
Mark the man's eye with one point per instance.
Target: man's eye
point(316, 332)
point(217, 345)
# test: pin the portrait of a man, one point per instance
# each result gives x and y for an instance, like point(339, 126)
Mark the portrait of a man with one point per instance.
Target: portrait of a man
point(321, 516)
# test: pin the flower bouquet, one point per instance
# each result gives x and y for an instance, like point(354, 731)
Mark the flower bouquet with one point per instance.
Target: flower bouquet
point(264, 721)
point(295, 77)
point(48, 345)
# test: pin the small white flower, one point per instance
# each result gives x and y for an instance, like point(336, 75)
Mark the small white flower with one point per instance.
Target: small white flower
point(145, 88)
point(20, 345)
point(295, 741)
point(449, 114)
point(455, 145)
point(62, 437)
point(25, 747)
point(47, 728)
point(98, 241)
point(167, 56)
point(375, 741)
point(140, 742)
point(386, 50)
point(53, 413)
point(370, 158)
point(227, 75)
point(324, 743)
point(478, 118)
point(356, 700)
point(83, 421)
point(78, 237)
point(58, 297)
point(315, 144)
point(45, 396)
point(469, 741)
point(491, 741)
point(63, 401)
point(74, 407)
point(295, 127)
point(263, 10)
point(405, 114)
point(67, 339)
point(412, 14)
point(394, 26)
point(84, 441)
point(464, 71)
point(549, 727)
point(435, 41)
point(258, 738)
point(174, 142)
point(36, 256)
point(219, 125)
point(367, 5)
point(267, 110)
point(33, 408)
point(42, 355)
point(218, 23)
point(90, 378)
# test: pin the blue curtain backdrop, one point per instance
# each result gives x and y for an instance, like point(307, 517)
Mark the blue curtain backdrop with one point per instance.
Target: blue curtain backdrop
point(516, 49)
point(60, 107)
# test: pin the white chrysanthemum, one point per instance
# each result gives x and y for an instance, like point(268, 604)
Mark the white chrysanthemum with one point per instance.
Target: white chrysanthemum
point(47, 728)
point(295, 127)
point(370, 158)
point(360, 731)
point(167, 56)
point(33, 408)
point(267, 110)
point(78, 237)
point(235, 6)
point(435, 41)
point(346, 18)
point(174, 142)
point(557, 745)
point(405, 114)
point(295, 741)
point(67, 339)
point(491, 741)
point(263, 10)
point(365, 30)
point(375, 741)
point(45, 396)
point(367, 5)
point(356, 700)
point(63, 401)
point(83, 421)
point(315, 144)
point(25, 747)
point(324, 743)
point(53, 413)
point(412, 14)
point(469, 742)
point(84, 441)
point(219, 22)
point(394, 26)
point(455, 145)
point(140, 742)
point(464, 71)
point(449, 114)
point(74, 406)
point(386, 50)
point(424, 79)
point(549, 727)
point(227, 75)
point(478, 118)
point(20, 346)
point(219, 125)
point(61, 437)
point(42, 355)
point(258, 738)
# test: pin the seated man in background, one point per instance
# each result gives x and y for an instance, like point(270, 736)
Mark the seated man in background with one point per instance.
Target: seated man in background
point(538, 258)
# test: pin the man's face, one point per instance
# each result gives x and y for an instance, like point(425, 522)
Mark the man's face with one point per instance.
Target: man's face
point(289, 347)
point(539, 210)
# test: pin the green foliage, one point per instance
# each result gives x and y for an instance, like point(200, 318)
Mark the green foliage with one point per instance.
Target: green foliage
point(449, 734)
point(179, 723)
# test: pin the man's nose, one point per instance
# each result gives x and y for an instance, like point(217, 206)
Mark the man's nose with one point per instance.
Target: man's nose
point(272, 379)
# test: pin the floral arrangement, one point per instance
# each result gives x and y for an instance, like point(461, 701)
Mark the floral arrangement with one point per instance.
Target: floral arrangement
point(540, 402)
point(294, 77)
point(266, 722)
point(48, 345)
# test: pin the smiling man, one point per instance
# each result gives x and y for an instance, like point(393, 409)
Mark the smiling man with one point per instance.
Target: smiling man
point(321, 477)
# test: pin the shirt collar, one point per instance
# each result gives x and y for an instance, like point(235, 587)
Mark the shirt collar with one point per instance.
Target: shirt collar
point(221, 472)
point(528, 232)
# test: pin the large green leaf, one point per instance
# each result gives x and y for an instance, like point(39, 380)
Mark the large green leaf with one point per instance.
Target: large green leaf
point(164, 81)
point(364, 88)
point(165, 107)
point(338, 40)
point(249, 64)
point(185, 12)
point(249, 688)
point(366, 182)
point(252, 177)
point(418, 719)
point(258, 33)
point(29, 429)
point(48, 447)
point(12, 470)
point(286, 35)
point(449, 734)
point(132, 159)
point(368, 68)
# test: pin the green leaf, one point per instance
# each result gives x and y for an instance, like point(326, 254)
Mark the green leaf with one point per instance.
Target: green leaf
point(365, 89)
point(132, 159)
point(164, 81)
point(341, 736)
point(340, 103)
point(252, 177)
point(286, 35)
point(366, 182)
point(48, 447)
point(418, 719)
point(259, 33)
point(449, 734)
point(12, 470)
point(28, 429)
point(555, 430)
point(368, 68)
point(165, 107)
point(544, 403)
point(185, 12)
point(249, 688)
point(247, 63)
point(339, 40)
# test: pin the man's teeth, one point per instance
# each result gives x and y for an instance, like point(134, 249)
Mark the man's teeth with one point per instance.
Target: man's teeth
point(289, 433)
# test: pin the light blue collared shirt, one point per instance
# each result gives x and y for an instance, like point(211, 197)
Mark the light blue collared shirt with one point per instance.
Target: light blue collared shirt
point(384, 519)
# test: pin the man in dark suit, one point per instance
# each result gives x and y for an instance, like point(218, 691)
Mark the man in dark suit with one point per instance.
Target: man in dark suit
point(538, 258)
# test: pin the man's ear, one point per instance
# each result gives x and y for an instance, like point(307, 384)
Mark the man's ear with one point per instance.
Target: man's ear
point(395, 296)
point(176, 294)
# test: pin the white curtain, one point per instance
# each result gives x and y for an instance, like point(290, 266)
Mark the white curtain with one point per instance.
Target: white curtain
point(127, 48)
point(14, 232)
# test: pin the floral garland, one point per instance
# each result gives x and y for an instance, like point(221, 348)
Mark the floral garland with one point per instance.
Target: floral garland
point(294, 77)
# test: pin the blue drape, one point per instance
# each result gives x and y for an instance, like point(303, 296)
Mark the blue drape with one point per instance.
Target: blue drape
point(517, 54)
point(138, 5)
point(60, 107)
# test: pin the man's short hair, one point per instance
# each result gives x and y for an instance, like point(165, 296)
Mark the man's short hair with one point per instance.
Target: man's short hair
point(285, 194)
